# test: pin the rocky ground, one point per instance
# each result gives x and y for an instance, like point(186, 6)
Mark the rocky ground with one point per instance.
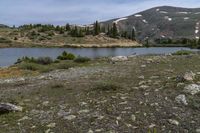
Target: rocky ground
point(142, 94)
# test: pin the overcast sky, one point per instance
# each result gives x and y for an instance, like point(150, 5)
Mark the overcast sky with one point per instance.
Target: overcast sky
point(18, 12)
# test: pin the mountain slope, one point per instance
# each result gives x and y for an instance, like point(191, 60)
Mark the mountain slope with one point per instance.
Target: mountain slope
point(162, 22)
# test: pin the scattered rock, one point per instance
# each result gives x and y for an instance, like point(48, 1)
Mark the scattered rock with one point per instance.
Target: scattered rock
point(119, 58)
point(143, 66)
point(181, 99)
point(84, 111)
point(90, 131)
point(152, 126)
point(198, 130)
point(189, 76)
point(70, 117)
point(7, 107)
point(144, 86)
point(180, 79)
point(51, 125)
point(45, 103)
point(192, 89)
point(133, 118)
point(24, 118)
point(174, 122)
point(141, 77)
point(48, 130)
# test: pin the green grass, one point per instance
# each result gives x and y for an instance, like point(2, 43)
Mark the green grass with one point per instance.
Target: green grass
point(183, 52)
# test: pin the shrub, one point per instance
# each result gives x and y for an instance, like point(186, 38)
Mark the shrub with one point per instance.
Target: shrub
point(82, 59)
point(44, 60)
point(40, 60)
point(29, 66)
point(4, 40)
point(65, 66)
point(183, 52)
point(66, 56)
point(107, 87)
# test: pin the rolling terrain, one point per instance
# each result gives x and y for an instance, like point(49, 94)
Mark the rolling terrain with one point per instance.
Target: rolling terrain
point(161, 22)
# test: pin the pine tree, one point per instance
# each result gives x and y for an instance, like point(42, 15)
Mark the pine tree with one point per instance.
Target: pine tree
point(133, 36)
point(96, 28)
point(67, 27)
point(114, 30)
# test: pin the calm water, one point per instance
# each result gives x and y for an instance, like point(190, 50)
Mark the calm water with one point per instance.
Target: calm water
point(8, 56)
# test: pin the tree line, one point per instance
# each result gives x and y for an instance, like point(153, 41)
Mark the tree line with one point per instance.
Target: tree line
point(110, 30)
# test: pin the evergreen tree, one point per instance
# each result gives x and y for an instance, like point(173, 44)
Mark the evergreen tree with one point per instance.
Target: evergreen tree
point(114, 31)
point(67, 27)
point(96, 28)
point(133, 35)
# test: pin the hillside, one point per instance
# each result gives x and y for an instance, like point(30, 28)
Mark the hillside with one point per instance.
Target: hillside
point(161, 22)
point(59, 36)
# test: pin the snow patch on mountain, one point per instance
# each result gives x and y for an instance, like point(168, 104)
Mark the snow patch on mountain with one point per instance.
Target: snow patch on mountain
point(118, 20)
point(157, 9)
point(186, 18)
point(168, 18)
point(163, 12)
point(183, 12)
point(144, 21)
point(138, 15)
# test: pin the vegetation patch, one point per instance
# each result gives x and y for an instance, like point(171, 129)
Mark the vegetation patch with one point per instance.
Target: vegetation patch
point(80, 59)
point(66, 56)
point(40, 60)
point(183, 52)
point(106, 87)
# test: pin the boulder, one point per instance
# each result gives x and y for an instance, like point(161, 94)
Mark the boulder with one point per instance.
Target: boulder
point(7, 107)
point(119, 58)
point(192, 89)
point(181, 99)
point(189, 76)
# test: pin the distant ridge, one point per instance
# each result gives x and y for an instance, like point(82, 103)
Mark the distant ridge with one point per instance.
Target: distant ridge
point(162, 22)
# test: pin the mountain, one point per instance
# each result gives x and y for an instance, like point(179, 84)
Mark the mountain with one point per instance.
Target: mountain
point(161, 22)
point(3, 26)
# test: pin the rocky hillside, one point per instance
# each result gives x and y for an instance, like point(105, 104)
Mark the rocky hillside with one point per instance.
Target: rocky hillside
point(162, 22)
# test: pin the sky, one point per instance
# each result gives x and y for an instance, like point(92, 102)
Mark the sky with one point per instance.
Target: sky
point(60, 12)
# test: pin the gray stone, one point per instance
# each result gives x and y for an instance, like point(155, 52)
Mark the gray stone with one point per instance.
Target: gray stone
point(181, 99)
point(70, 117)
point(119, 58)
point(173, 122)
point(198, 130)
point(133, 117)
point(7, 107)
point(189, 76)
point(192, 89)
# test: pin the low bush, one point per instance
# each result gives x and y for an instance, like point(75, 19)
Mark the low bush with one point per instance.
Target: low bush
point(107, 87)
point(29, 66)
point(40, 60)
point(66, 56)
point(44, 60)
point(183, 52)
point(4, 40)
point(80, 59)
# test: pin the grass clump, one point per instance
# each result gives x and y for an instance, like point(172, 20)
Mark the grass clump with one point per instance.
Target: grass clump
point(66, 56)
point(106, 87)
point(80, 59)
point(183, 52)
